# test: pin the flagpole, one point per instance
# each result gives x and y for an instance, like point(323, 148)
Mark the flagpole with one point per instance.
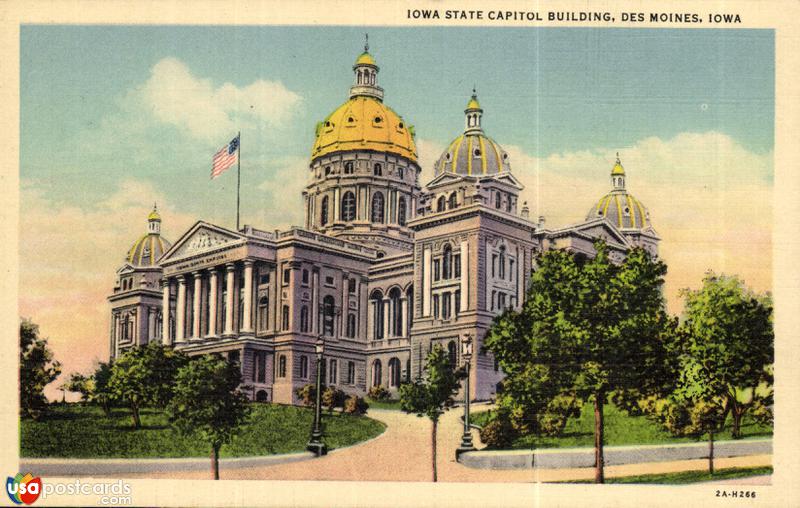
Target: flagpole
point(238, 176)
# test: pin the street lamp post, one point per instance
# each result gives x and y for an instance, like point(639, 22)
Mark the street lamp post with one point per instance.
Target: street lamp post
point(466, 439)
point(315, 444)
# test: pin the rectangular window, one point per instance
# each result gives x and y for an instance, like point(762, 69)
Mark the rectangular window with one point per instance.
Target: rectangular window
point(457, 302)
point(436, 306)
point(494, 299)
point(351, 373)
point(510, 269)
point(457, 266)
point(255, 366)
point(305, 277)
point(494, 264)
point(329, 280)
point(332, 372)
point(262, 367)
point(285, 318)
point(436, 273)
point(263, 278)
point(287, 274)
point(351, 286)
point(446, 305)
point(233, 357)
point(501, 301)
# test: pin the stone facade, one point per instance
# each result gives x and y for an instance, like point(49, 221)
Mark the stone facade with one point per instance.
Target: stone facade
point(383, 269)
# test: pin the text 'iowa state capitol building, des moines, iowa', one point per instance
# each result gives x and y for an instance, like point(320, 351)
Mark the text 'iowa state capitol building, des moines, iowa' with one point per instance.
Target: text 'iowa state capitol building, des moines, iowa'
point(383, 268)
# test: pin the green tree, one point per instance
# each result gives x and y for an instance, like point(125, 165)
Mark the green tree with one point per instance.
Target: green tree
point(432, 395)
point(589, 329)
point(101, 393)
point(207, 402)
point(145, 375)
point(78, 383)
point(729, 345)
point(37, 369)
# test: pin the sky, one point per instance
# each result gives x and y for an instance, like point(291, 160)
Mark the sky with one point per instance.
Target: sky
point(115, 118)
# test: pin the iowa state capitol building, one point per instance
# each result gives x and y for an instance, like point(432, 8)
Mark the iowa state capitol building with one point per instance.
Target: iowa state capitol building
point(383, 269)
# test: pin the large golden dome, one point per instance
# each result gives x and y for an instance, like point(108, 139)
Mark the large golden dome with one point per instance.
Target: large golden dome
point(364, 122)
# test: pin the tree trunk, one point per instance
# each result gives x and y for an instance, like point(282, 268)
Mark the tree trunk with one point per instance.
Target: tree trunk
point(215, 461)
point(737, 412)
point(135, 414)
point(711, 452)
point(433, 447)
point(599, 461)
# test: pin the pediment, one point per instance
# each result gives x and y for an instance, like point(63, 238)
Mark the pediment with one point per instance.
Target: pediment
point(598, 229)
point(508, 179)
point(202, 237)
point(443, 179)
point(125, 269)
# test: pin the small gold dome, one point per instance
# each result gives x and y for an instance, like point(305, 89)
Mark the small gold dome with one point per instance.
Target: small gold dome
point(364, 123)
point(618, 170)
point(154, 215)
point(365, 59)
point(473, 103)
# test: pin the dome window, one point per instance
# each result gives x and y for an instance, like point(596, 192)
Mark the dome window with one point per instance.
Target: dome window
point(505, 156)
point(378, 119)
point(626, 211)
point(448, 156)
point(350, 119)
point(401, 125)
point(599, 212)
point(327, 170)
point(328, 124)
point(477, 152)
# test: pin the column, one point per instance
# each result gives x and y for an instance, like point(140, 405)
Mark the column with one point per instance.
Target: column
point(426, 281)
point(151, 323)
point(387, 318)
point(180, 310)
point(404, 317)
point(212, 302)
point(165, 338)
point(230, 269)
point(198, 284)
point(247, 318)
point(335, 207)
point(371, 313)
point(464, 304)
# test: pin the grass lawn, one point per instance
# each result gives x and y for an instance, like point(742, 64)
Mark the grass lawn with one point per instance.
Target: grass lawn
point(620, 429)
point(688, 476)
point(76, 431)
point(384, 404)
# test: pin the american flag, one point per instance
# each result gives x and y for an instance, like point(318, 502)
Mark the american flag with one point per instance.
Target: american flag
point(226, 157)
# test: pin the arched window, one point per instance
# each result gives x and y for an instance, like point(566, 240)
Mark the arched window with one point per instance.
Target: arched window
point(303, 366)
point(285, 318)
point(351, 373)
point(377, 169)
point(508, 204)
point(394, 372)
point(263, 313)
point(327, 315)
point(497, 200)
point(282, 366)
point(348, 206)
point(396, 310)
point(451, 201)
point(377, 207)
point(376, 301)
point(376, 373)
point(410, 306)
point(348, 168)
point(447, 262)
point(351, 325)
point(304, 319)
point(323, 215)
point(451, 353)
point(502, 262)
point(440, 204)
point(401, 211)
point(261, 396)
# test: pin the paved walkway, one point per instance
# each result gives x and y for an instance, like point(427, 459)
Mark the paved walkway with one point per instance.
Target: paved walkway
point(402, 453)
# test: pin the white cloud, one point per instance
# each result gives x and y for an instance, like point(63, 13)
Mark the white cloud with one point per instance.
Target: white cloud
point(177, 97)
point(69, 255)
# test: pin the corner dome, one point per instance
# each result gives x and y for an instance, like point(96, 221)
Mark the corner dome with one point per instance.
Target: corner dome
point(619, 207)
point(150, 246)
point(473, 153)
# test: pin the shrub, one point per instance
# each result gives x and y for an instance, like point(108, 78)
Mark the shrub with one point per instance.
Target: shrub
point(378, 393)
point(355, 405)
point(559, 410)
point(308, 394)
point(333, 397)
point(498, 432)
